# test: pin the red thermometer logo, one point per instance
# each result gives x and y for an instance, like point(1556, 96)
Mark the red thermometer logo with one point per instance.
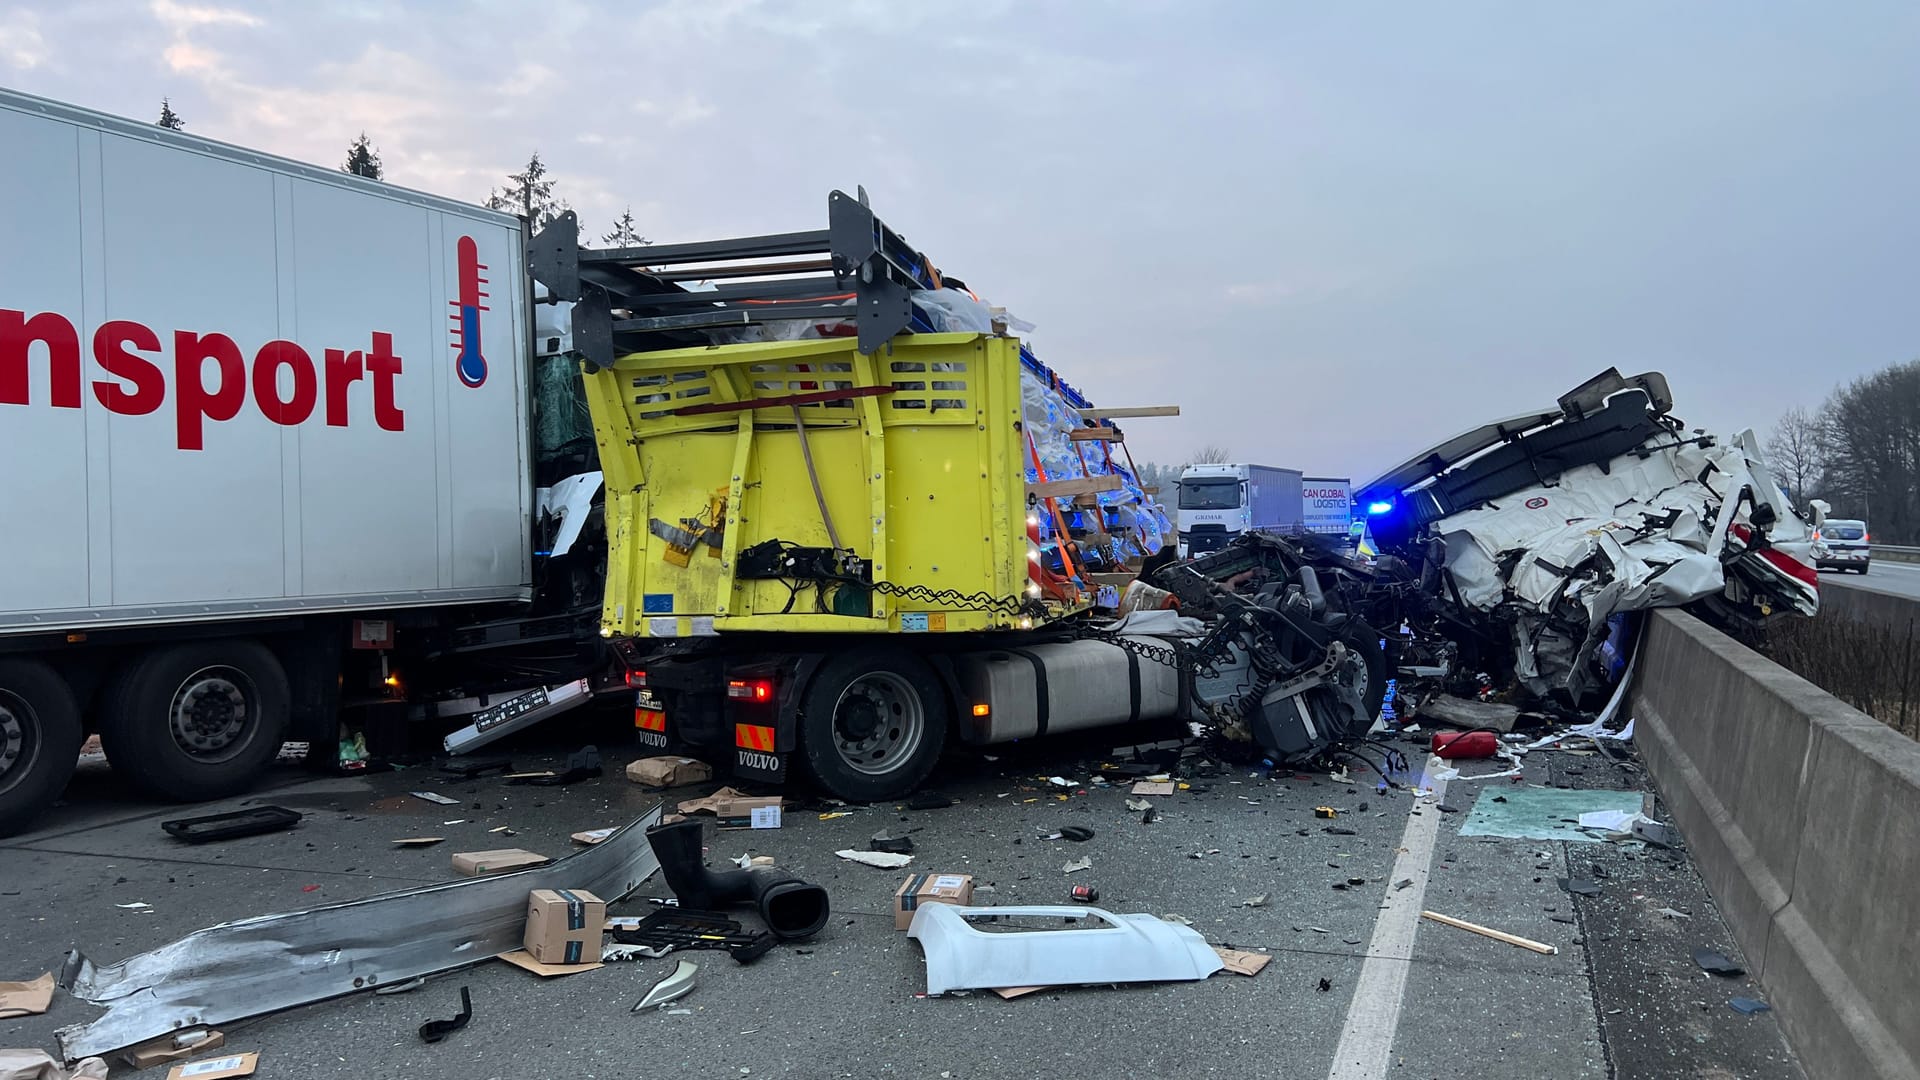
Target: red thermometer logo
point(468, 363)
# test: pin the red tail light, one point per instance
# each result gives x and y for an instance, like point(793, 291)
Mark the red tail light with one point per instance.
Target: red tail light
point(636, 679)
point(750, 689)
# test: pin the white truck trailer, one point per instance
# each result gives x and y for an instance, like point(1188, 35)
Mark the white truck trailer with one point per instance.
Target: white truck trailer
point(1220, 501)
point(257, 418)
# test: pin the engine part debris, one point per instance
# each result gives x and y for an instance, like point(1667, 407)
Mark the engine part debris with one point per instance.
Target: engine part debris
point(792, 909)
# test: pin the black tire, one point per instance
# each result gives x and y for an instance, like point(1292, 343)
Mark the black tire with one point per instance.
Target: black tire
point(1365, 640)
point(39, 740)
point(1863, 571)
point(196, 721)
point(873, 724)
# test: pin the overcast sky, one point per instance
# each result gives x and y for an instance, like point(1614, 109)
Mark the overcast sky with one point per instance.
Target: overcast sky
point(1333, 237)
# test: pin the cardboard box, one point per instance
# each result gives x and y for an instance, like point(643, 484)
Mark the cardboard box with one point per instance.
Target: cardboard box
point(921, 889)
point(166, 1048)
point(215, 1068)
point(563, 926)
point(666, 772)
point(476, 863)
point(736, 810)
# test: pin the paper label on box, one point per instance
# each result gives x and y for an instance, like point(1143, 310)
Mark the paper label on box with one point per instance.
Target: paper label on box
point(202, 1068)
point(766, 817)
point(949, 881)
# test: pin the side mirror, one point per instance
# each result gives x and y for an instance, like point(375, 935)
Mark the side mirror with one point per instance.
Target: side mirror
point(1818, 509)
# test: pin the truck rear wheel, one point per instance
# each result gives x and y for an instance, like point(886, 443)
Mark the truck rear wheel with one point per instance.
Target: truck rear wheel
point(873, 724)
point(39, 740)
point(196, 721)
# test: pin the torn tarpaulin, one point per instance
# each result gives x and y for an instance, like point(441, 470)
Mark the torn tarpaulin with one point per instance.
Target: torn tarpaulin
point(261, 965)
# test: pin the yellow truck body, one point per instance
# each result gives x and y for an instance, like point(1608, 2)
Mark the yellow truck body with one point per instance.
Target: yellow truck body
point(921, 472)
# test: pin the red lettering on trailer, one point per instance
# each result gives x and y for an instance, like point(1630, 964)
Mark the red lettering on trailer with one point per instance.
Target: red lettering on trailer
point(211, 374)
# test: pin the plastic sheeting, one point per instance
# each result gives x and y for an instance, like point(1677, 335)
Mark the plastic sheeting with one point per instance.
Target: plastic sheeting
point(1129, 525)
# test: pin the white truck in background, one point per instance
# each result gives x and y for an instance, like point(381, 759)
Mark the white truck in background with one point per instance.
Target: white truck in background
point(1221, 501)
point(265, 427)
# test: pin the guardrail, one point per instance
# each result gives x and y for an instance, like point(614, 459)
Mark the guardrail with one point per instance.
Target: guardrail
point(1896, 553)
point(1803, 816)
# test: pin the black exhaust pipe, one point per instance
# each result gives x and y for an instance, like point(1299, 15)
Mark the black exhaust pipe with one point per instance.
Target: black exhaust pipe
point(792, 909)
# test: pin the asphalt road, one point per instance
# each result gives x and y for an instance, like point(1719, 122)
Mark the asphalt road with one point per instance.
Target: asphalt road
point(1884, 576)
point(1359, 986)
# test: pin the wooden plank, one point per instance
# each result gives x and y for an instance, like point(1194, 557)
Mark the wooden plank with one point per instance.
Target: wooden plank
point(1080, 485)
point(1497, 935)
point(1096, 434)
point(1140, 410)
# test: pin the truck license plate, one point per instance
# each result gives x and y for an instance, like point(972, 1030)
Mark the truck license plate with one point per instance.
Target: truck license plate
point(650, 720)
point(762, 765)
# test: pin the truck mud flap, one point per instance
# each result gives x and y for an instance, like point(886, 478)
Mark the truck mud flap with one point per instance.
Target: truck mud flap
point(262, 965)
point(767, 765)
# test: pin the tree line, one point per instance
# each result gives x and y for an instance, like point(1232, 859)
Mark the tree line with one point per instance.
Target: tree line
point(528, 193)
point(1859, 451)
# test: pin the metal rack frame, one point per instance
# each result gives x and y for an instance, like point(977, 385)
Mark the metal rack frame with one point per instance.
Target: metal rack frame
point(632, 300)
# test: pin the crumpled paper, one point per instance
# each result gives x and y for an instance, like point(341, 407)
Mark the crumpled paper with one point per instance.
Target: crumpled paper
point(39, 1065)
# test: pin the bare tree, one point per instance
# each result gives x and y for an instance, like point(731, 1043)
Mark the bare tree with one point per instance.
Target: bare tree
point(1210, 454)
point(1797, 449)
point(1872, 444)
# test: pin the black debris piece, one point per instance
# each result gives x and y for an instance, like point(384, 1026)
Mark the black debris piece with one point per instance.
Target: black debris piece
point(1747, 1006)
point(1579, 886)
point(582, 764)
point(893, 845)
point(1325, 985)
point(250, 822)
point(1076, 832)
point(461, 768)
point(434, 1030)
point(929, 800)
point(1716, 963)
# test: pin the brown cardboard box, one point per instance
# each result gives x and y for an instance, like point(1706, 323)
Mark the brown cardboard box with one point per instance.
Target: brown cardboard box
point(737, 810)
point(215, 1068)
point(563, 926)
point(921, 889)
point(162, 1050)
point(669, 771)
point(475, 863)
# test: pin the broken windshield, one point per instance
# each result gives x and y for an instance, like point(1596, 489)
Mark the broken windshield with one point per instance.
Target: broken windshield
point(1218, 494)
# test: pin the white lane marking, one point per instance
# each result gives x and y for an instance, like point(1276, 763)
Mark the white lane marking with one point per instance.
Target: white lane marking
point(1366, 1043)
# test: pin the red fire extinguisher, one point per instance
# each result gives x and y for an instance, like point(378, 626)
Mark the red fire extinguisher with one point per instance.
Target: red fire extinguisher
point(1454, 745)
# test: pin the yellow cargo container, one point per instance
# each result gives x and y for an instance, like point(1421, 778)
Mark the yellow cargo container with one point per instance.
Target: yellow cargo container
point(912, 457)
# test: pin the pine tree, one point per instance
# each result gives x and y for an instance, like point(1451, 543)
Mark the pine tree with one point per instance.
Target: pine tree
point(624, 234)
point(362, 159)
point(170, 119)
point(529, 193)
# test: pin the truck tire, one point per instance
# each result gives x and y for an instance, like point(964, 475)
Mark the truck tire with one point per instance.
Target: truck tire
point(873, 724)
point(1365, 641)
point(39, 740)
point(196, 721)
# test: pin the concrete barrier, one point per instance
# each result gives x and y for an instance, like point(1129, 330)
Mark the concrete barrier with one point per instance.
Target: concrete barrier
point(1803, 815)
point(1849, 601)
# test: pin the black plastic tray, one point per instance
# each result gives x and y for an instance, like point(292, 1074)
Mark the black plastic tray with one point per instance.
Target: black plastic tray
point(259, 819)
